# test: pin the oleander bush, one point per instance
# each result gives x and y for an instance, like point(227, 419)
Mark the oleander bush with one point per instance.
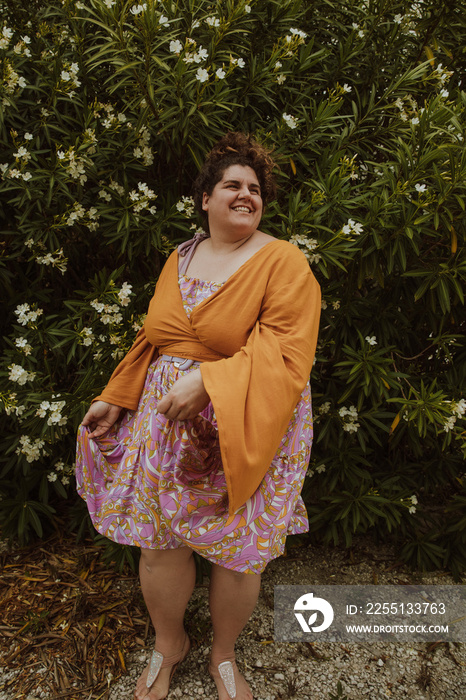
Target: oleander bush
point(107, 109)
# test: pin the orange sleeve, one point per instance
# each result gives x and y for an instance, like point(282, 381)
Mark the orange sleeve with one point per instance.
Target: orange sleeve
point(255, 392)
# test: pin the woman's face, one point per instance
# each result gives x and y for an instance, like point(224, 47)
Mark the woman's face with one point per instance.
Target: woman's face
point(235, 204)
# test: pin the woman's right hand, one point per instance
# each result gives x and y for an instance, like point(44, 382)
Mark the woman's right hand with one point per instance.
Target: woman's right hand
point(100, 417)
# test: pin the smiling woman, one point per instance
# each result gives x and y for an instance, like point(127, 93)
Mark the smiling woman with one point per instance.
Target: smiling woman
point(201, 439)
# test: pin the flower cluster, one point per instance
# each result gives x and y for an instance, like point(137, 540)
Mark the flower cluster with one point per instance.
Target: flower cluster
point(352, 228)
point(125, 293)
point(86, 336)
point(5, 37)
point(54, 409)
point(290, 121)
point(411, 504)
point(56, 259)
point(61, 471)
point(20, 375)
point(307, 245)
point(142, 197)
point(10, 404)
point(78, 213)
point(110, 313)
point(32, 450)
point(23, 345)
point(26, 315)
point(350, 417)
point(11, 81)
point(458, 409)
point(69, 78)
point(186, 205)
point(408, 109)
point(74, 164)
point(442, 75)
point(197, 56)
point(143, 149)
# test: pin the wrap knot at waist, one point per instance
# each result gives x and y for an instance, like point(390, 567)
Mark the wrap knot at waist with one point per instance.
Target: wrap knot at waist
point(190, 350)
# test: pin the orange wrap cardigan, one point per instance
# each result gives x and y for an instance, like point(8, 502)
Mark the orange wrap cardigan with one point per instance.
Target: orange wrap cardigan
point(255, 338)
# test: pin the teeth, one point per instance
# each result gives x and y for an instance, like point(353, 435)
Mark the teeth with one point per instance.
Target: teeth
point(242, 209)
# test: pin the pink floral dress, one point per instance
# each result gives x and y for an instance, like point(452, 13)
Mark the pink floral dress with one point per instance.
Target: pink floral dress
point(159, 484)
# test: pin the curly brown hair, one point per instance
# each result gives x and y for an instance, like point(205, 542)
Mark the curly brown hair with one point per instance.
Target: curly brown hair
point(235, 148)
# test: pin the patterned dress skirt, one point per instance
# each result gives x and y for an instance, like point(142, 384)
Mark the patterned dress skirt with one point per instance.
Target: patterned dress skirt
point(159, 484)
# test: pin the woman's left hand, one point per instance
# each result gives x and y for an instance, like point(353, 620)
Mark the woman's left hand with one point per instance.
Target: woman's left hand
point(186, 398)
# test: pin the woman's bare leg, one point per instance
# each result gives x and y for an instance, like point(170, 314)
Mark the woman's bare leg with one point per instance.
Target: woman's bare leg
point(233, 597)
point(167, 582)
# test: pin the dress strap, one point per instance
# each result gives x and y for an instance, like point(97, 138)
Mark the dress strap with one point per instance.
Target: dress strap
point(187, 249)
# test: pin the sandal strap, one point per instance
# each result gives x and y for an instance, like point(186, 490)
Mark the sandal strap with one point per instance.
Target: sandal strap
point(159, 661)
point(227, 675)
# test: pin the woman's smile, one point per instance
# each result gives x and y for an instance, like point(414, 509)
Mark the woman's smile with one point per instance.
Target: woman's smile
point(238, 192)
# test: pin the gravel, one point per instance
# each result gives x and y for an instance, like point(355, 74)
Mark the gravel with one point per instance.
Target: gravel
point(321, 671)
point(301, 671)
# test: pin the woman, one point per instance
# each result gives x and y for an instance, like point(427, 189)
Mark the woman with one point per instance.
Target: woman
point(201, 439)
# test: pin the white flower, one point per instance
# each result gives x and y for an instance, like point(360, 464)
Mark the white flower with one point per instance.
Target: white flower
point(372, 340)
point(321, 468)
point(298, 32)
point(30, 449)
point(28, 136)
point(60, 155)
point(350, 416)
point(240, 63)
point(420, 188)
point(414, 500)
point(20, 375)
point(201, 55)
point(64, 75)
point(52, 476)
point(22, 344)
point(444, 93)
point(124, 293)
point(247, 9)
point(346, 88)
point(459, 408)
point(212, 21)
point(412, 510)
point(352, 228)
point(202, 75)
point(220, 73)
point(398, 19)
point(281, 78)
point(278, 65)
point(176, 46)
point(137, 9)
point(291, 121)
point(164, 21)
point(449, 424)
point(415, 120)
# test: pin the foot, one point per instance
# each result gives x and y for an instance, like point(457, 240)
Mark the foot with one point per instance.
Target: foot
point(234, 686)
point(158, 689)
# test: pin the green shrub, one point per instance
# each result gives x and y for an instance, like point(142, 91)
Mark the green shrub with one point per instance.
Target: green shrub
point(107, 109)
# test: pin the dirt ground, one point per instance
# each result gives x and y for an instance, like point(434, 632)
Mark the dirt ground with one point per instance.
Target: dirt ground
point(71, 627)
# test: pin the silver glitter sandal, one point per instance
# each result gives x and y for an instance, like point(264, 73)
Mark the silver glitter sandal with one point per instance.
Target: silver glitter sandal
point(159, 661)
point(227, 675)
